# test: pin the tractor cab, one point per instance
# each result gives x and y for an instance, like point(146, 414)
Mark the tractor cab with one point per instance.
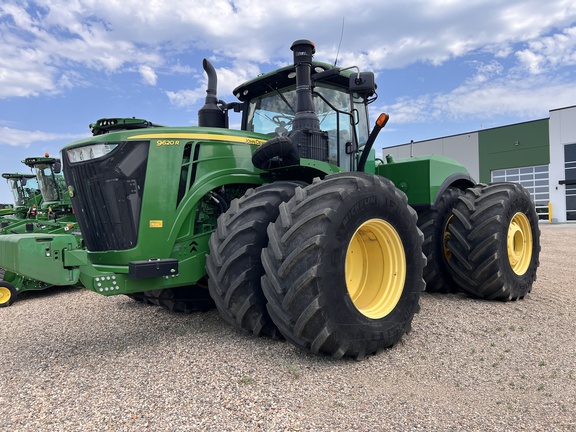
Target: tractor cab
point(270, 108)
point(50, 182)
point(25, 190)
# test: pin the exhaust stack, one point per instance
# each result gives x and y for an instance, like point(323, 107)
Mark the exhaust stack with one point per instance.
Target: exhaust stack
point(212, 114)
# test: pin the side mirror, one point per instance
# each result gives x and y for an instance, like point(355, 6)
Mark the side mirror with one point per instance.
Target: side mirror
point(57, 167)
point(363, 83)
point(24, 181)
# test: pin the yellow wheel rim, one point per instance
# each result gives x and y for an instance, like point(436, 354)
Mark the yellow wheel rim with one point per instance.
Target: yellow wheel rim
point(5, 295)
point(519, 243)
point(375, 268)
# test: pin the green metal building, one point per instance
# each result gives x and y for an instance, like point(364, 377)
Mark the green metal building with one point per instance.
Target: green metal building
point(539, 154)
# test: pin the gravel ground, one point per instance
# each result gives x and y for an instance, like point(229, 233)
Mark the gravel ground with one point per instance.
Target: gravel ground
point(73, 360)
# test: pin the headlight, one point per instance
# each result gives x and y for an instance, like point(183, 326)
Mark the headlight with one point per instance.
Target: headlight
point(80, 154)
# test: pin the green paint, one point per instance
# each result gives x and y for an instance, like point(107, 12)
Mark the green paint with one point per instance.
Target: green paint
point(420, 178)
point(514, 146)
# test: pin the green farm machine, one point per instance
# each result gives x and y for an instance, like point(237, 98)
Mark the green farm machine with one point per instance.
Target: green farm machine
point(56, 204)
point(42, 206)
point(27, 197)
point(42, 203)
point(290, 226)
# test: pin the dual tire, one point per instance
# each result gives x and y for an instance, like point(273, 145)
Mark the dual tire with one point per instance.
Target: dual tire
point(495, 242)
point(336, 268)
point(484, 242)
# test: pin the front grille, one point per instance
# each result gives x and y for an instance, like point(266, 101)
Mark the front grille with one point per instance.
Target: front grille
point(107, 196)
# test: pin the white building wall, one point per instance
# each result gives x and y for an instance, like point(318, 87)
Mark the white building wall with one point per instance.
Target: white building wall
point(463, 148)
point(562, 131)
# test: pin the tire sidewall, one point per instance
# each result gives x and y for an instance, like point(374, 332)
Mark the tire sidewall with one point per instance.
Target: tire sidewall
point(521, 203)
point(359, 208)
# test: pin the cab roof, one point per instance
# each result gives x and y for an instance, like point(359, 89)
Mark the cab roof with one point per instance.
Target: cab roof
point(285, 77)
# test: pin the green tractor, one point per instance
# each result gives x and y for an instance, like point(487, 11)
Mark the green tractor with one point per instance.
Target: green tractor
point(44, 208)
point(49, 209)
point(290, 226)
point(27, 198)
point(56, 205)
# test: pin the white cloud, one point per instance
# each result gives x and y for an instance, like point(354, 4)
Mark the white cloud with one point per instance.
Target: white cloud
point(517, 96)
point(486, 71)
point(109, 35)
point(549, 52)
point(17, 82)
point(530, 83)
point(39, 46)
point(24, 138)
point(531, 61)
point(148, 75)
point(185, 98)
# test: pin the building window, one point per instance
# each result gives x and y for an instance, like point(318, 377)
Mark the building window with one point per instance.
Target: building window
point(536, 181)
point(570, 202)
point(570, 175)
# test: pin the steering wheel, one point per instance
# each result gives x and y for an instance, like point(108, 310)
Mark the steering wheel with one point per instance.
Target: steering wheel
point(282, 121)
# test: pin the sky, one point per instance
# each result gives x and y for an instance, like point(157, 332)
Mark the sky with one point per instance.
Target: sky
point(442, 67)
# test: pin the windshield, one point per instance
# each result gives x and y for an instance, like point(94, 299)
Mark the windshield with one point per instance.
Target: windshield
point(47, 182)
point(273, 114)
point(23, 191)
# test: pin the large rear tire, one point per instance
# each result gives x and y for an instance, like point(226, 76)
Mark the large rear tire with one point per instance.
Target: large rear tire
point(434, 225)
point(234, 267)
point(495, 242)
point(344, 266)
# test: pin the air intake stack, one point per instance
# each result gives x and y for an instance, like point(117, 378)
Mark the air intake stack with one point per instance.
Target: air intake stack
point(305, 140)
point(311, 142)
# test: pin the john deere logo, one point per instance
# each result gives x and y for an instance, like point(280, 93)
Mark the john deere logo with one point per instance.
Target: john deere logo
point(71, 191)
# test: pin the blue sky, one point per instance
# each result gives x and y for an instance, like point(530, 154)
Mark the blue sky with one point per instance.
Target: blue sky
point(443, 67)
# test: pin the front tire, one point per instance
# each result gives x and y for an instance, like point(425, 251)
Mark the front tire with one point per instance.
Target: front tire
point(495, 242)
point(344, 266)
point(234, 267)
